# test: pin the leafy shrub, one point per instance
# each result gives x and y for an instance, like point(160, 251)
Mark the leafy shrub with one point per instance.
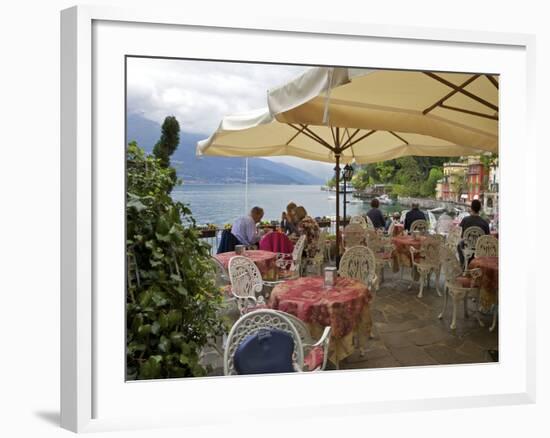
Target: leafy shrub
point(172, 299)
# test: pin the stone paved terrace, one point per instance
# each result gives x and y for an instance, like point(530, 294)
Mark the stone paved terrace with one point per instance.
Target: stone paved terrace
point(407, 331)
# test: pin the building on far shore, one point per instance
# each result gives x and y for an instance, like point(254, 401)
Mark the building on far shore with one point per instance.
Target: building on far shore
point(449, 188)
point(490, 196)
point(477, 178)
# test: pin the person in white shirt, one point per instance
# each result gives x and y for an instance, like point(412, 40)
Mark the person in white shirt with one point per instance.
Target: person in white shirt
point(244, 228)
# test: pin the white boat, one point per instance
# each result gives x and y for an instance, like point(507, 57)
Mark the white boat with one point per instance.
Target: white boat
point(385, 199)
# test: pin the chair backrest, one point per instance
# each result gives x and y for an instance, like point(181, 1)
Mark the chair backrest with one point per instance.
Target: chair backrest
point(370, 225)
point(354, 235)
point(253, 322)
point(359, 220)
point(419, 225)
point(220, 274)
point(359, 263)
point(322, 241)
point(453, 238)
point(430, 250)
point(246, 279)
point(444, 224)
point(298, 252)
point(470, 236)
point(374, 241)
point(486, 246)
point(450, 263)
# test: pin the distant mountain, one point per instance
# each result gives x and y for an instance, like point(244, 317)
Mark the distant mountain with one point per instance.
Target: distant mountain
point(215, 170)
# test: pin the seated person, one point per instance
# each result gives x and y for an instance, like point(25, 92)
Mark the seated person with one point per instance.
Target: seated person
point(474, 220)
point(244, 228)
point(413, 215)
point(310, 228)
point(288, 219)
point(391, 222)
point(375, 214)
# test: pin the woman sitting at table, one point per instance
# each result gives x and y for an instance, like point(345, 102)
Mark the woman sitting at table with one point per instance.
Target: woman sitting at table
point(310, 228)
point(288, 219)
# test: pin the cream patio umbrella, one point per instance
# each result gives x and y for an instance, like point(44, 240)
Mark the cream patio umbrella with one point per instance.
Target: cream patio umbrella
point(258, 134)
point(461, 108)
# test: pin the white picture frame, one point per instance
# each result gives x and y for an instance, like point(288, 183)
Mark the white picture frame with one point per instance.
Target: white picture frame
point(92, 40)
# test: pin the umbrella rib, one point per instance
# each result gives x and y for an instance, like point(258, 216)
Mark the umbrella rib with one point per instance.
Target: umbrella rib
point(350, 137)
point(493, 80)
point(452, 93)
point(346, 146)
point(460, 90)
point(309, 133)
point(473, 113)
point(295, 135)
point(400, 138)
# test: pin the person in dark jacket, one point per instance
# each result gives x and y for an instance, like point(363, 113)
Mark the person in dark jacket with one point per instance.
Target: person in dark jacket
point(413, 215)
point(474, 220)
point(376, 215)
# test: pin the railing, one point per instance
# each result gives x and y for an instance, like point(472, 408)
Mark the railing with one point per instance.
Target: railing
point(212, 235)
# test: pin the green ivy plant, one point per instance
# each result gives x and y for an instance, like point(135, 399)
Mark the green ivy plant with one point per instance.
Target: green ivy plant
point(172, 299)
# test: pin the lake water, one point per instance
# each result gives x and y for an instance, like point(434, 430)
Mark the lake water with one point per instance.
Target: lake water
point(221, 204)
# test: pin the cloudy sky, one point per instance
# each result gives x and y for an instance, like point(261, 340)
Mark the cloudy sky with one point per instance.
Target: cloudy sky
point(200, 93)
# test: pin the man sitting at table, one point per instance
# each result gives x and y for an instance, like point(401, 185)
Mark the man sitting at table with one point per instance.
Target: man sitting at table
point(376, 215)
point(244, 228)
point(474, 220)
point(413, 215)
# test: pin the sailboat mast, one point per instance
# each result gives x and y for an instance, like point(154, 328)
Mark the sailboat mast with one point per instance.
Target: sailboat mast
point(246, 185)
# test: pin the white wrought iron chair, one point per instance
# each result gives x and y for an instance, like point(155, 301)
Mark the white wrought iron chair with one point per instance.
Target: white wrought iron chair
point(317, 262)
point(359, 220)
point(290, 266)
point(382, 249)
point(460, 285)
point(370, 225)
point(444, 224)
point(419, 225)
point(354, 235)
point(359, 263)
point(469, 237)
point(486, 246)
point(246, 284)
point(426, 261)
point(315, 351)
point(453, 238)
point(269, 319)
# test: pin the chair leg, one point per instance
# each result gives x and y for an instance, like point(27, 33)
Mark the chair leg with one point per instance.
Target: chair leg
point(495, 313)
point(438, 281)
point(423, 278)
point(456, 301)
point(445, 299)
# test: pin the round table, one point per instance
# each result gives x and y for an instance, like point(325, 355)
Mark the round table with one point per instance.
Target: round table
point(264, 260)
point(488, 293)
point(402, 254)
point(344, 306)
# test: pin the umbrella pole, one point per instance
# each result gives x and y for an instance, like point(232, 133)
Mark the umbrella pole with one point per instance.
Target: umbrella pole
point(337, 180)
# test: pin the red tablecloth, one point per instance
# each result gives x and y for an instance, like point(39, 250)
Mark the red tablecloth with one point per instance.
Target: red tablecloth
point(398, 230)
point(345, 307)
point(489, 279)
point(276, 242)
point(264, 260)
point(402, 254)
point(308, 299)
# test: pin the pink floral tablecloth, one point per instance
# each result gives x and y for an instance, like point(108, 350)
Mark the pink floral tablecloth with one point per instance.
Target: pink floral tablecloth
point(489, 279)
point(402, 253)
point(344, 307)
point(264, 260)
